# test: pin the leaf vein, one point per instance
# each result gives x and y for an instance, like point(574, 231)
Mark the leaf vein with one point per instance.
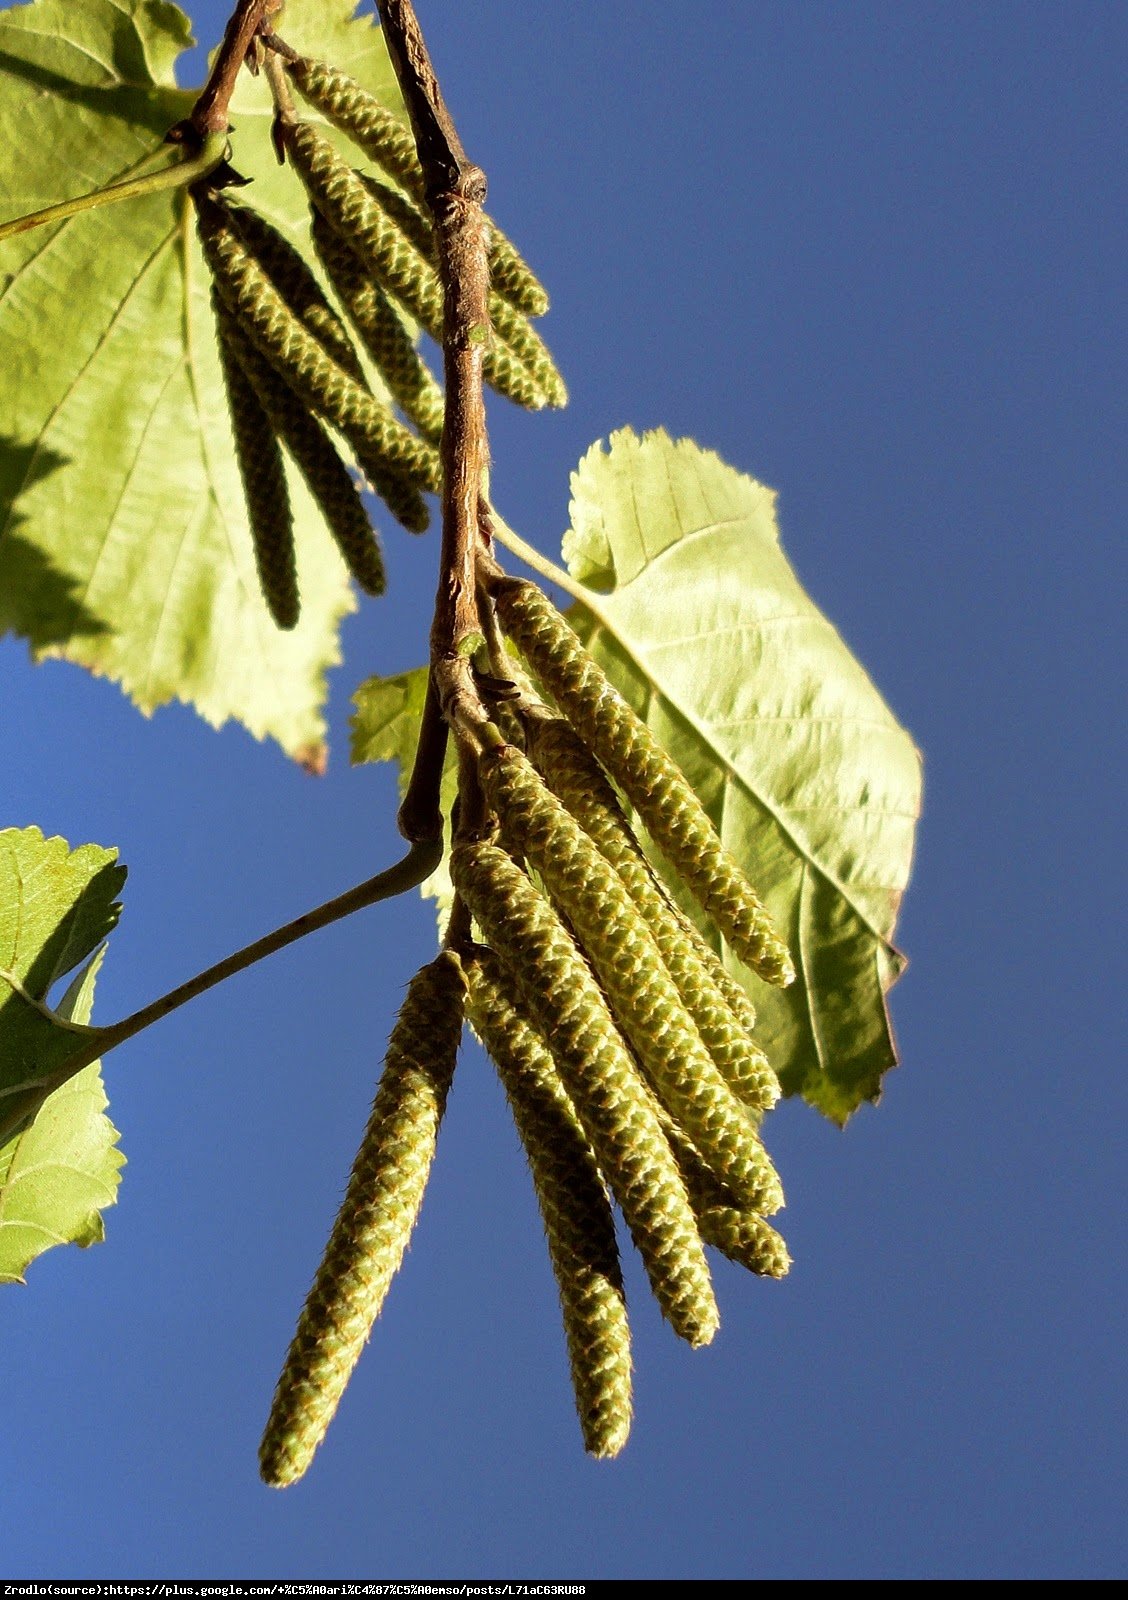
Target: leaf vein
point(804, 953)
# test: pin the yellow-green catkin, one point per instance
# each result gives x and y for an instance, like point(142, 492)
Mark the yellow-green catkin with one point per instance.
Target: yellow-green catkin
point(744, 1237)
point(383, 332)
point(264, 487)
point(387, 142)
point(530, 350)
point(382, 136)
point(397, 486)
point(579, 782)
point(506, 373)
point(512, 278)
point(389, 256)
point(737, 1232)
point(707, 1190)
point(414, 224)
point(590, 894)
point(315, 456)
point(381, 443)
point(737, 997)
point(287, 270)
point(578, 1222)
point(667, 805)
point(375, 1221)
point(289, 274)
point(614, 1105)
point(344, 200)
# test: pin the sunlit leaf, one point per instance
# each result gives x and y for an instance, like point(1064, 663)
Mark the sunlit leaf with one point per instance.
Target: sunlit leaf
point(124, 543)
point(810, 781)
point(59, 1163)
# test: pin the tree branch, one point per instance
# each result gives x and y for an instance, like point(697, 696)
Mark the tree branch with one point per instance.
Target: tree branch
point(455, 189)
point(440, 149)
point(209, 114)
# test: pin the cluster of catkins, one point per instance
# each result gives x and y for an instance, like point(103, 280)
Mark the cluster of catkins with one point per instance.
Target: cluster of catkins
point(624, 1045)
point(291, 365)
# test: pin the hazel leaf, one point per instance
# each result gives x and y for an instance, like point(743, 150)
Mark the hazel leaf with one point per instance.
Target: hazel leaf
point(699, 621)
point(59, 1162)
point(124, 543)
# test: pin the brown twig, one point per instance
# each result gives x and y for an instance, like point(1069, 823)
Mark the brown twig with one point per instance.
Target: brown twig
point(209, 114)
point(455, 189)
point(440, 149)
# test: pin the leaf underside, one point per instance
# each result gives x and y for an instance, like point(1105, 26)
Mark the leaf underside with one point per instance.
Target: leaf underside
point(808, 778)
point(59, 1162)
point(697, 618)
point(124, 543)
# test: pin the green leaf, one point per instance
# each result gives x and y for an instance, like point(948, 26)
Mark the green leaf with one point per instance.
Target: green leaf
point(385, 727)
point(58, 1159)
point(695, 615)
point(124, 543)
point(699, 621)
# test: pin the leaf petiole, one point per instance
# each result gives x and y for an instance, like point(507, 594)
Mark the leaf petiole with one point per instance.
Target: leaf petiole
point(540, 564)
point(44, 1010)
point(419, 862)
point(176, 176)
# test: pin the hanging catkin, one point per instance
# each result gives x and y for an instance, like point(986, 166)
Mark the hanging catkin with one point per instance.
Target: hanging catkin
point(291, 277)
point(735, 995)
point(578, 1223)
point(301, 360)
point(707, 1190)
point(383, 332)
point(590, 894)
point(404, 214)
point(342, 101)
point(513, 278)
point(530, 349)
point(344, 200)
point(744, 1237)
point(737, 1232)
point(579, 782)
point(667, 805)
point(316, 458)
point(264, 485)
point(375, 1220)
point(287, 270)
point(614, 1105)
point(392, 259)
point(387, 142)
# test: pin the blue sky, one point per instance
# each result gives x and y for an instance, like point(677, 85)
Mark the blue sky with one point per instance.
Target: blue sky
point(871, 254)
